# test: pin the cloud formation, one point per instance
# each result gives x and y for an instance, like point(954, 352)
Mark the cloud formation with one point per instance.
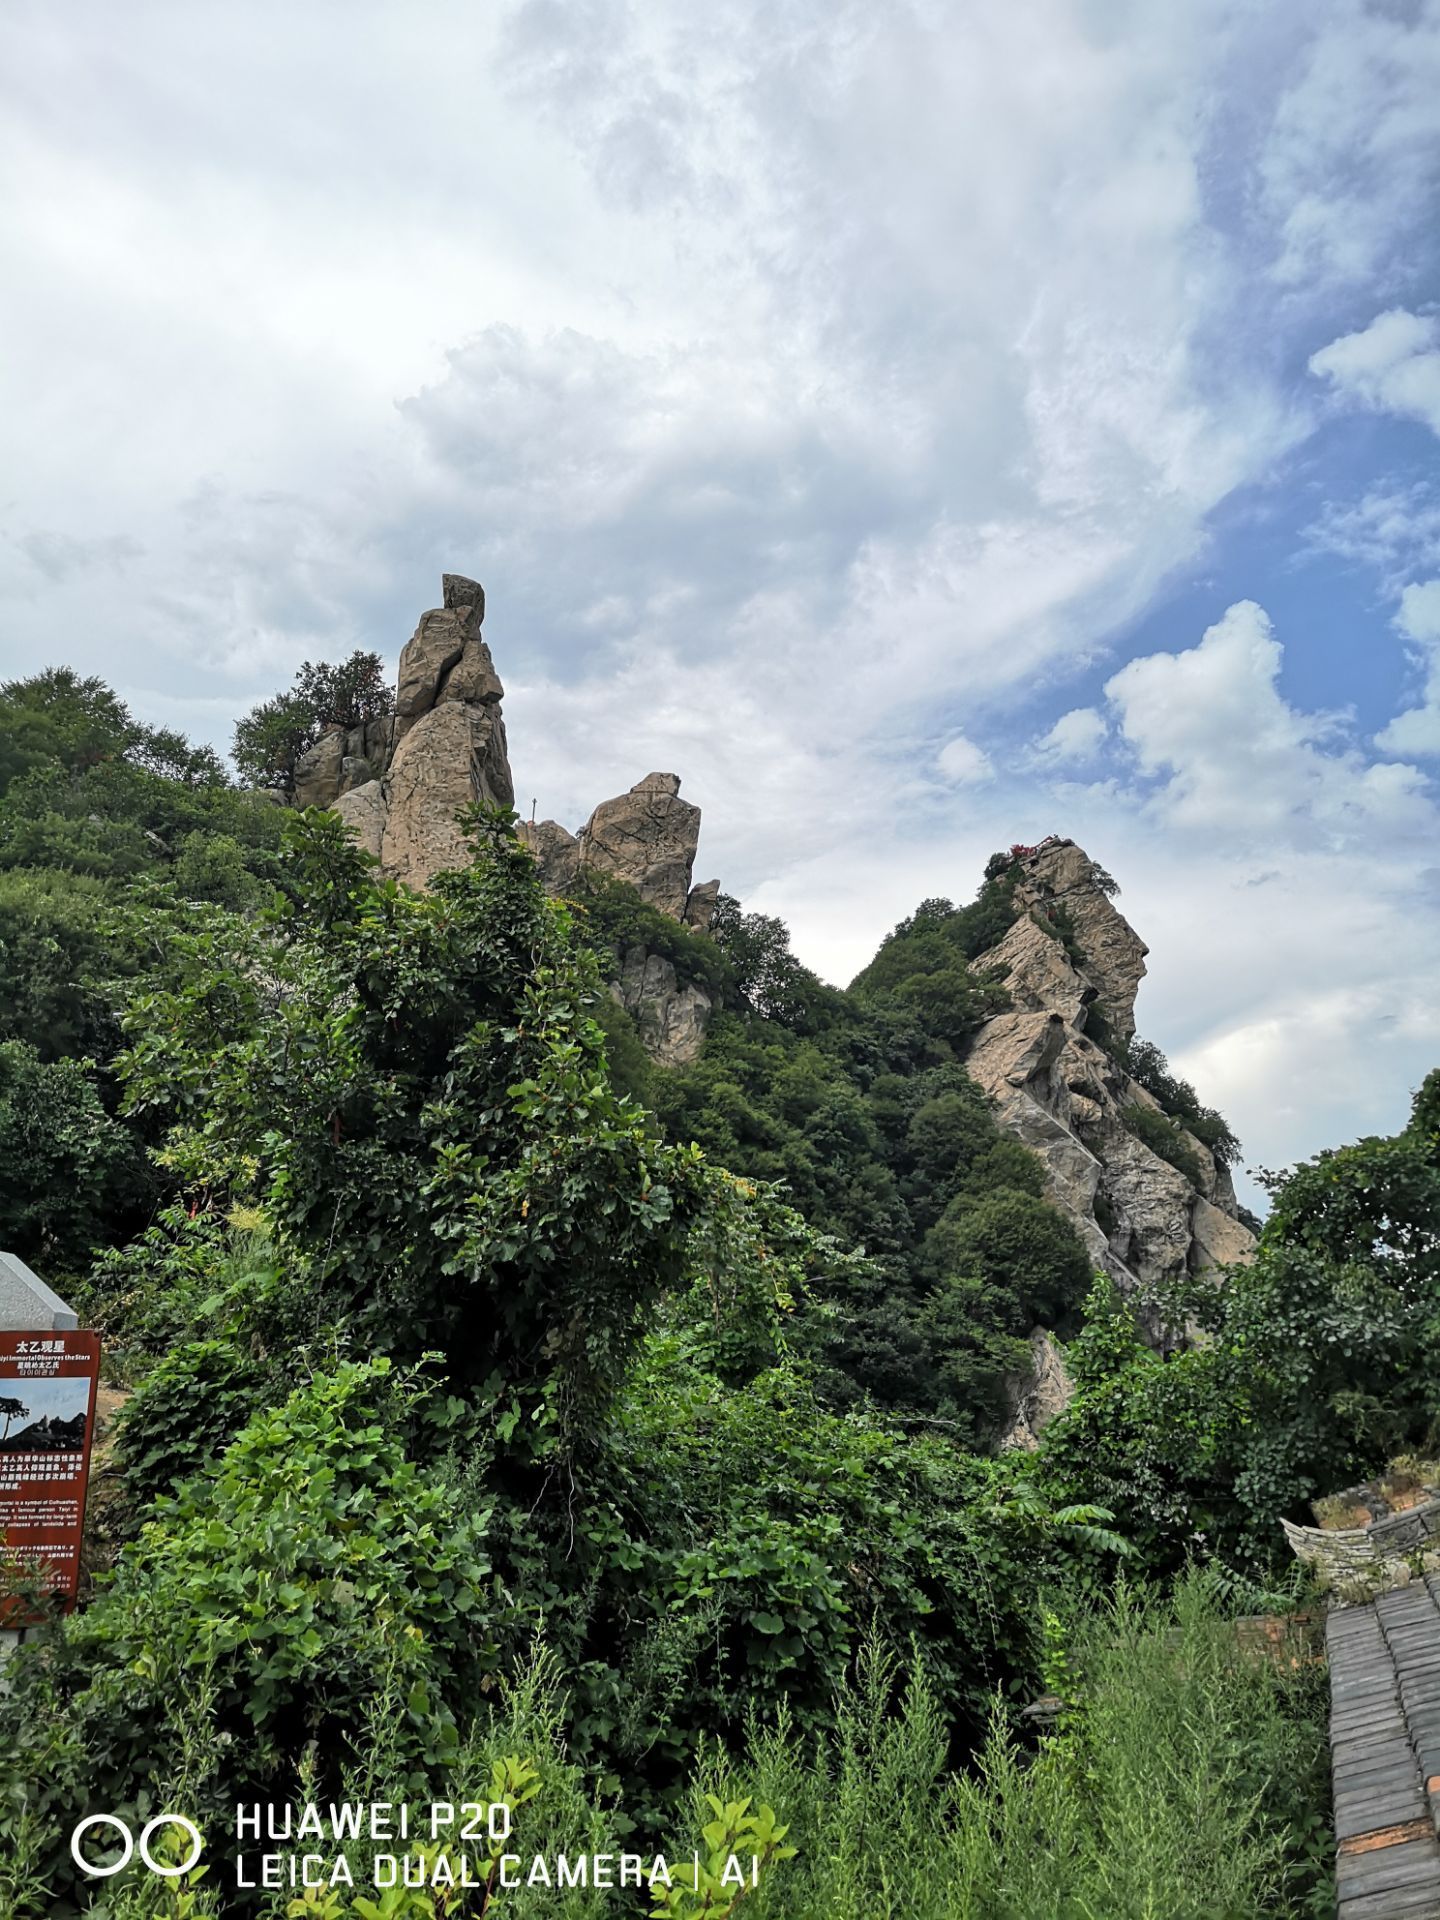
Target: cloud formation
point(1393, 365)
point(825, 395)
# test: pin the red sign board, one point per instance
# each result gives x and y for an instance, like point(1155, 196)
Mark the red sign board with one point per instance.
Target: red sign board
point(47, 1422)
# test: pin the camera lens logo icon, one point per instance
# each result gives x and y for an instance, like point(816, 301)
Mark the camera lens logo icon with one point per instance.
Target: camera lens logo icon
point(147, 1831)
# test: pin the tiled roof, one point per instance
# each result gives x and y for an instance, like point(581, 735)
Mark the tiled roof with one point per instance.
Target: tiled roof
point(1385, 1753)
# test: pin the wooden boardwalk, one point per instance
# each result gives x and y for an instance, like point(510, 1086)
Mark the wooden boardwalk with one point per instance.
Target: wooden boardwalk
point(1385, 1754)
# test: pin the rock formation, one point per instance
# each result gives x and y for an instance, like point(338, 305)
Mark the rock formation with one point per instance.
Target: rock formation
point(1040, 1394)
point(647, 837)
point(670, 1019)
point(1070, 955)
point(398, 782)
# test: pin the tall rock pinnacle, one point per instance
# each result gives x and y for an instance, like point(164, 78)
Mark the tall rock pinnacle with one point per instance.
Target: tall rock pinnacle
point(448, 745)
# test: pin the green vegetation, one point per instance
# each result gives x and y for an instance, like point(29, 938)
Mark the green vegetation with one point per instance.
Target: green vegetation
point(514, 1420)
point(273, 736)
point(1319, 1363)
point(1177, 1098)
point(1164, 1136)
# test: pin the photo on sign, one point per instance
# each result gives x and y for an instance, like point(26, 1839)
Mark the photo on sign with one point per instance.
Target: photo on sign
point(43, 1416)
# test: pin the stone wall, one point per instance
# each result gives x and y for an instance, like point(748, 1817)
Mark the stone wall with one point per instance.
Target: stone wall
point(1377, 1554)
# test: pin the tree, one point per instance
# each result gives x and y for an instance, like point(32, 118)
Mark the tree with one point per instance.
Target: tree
point(344, 693)
point(56, 717)
point(417, 1090)
point(273, 735)
point(1319, 1361)
point(768, 978)
point(11, 1410)
point(73, 1174)
point(271, 738)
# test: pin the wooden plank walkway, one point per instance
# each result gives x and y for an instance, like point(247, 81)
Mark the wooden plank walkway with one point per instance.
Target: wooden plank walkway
point(1385, 1754)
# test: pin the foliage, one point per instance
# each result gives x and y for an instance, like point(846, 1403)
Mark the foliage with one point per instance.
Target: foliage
point(274, 735)
point(53, 953)
point(72, 1172)
point(85, 787)
point(187, 1411)
point(707, 1420)
point(613, 919)
point(1146, 1064)
point(1164, 1137)
point(1189, 1780)
point(768, 980)
point(311, 1566)
point(1318, 1363)
point(271, 738)
point(418, 1092)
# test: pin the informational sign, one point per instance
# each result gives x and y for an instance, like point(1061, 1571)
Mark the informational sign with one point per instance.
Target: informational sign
point(47, 1422)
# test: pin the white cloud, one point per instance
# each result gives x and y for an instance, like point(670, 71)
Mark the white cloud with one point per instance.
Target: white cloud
point(1393, 529)
point(1075, 736)
point(1234, 759)
point(962, 762)
point(1346, 172)
point(1419, 615)
point(1417, 729)
point(1392, 366)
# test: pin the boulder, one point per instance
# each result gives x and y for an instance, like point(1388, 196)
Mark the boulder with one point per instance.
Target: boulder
point(700, 905)
point(1038, 1395)
point(436, 646)
point(456, 593)
point(557, 854)
point(670, 1019)
point(647, 837)
point(319, 771)
point(473, 677)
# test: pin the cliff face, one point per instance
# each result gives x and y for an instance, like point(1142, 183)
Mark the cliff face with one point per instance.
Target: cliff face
point(1070, 957)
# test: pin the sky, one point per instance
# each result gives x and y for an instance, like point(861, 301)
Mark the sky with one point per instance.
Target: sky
point(921, 425)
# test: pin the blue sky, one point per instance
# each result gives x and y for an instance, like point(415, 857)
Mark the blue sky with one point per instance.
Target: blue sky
point(919, 425)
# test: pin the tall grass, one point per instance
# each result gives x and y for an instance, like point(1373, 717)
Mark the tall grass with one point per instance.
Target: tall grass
point(1187, 1779)
point(1189, 1783)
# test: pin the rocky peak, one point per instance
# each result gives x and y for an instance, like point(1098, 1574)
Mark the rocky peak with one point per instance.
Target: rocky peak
point(443, 749)
point(399, 783)
point(1060, 882)
point(1146, 1220)
point(647, 837)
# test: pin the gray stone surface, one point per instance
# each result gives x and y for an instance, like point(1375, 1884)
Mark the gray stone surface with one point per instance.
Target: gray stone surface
point(1067, 1099)
point(670, 1019)
point(26, 1302)
point(647, 836)
point(1385, 1753)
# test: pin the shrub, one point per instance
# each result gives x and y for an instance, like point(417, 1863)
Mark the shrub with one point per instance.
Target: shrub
point(72, 1173)
point(311, 1571)
point(1163, 1136)
point(187, 1410)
